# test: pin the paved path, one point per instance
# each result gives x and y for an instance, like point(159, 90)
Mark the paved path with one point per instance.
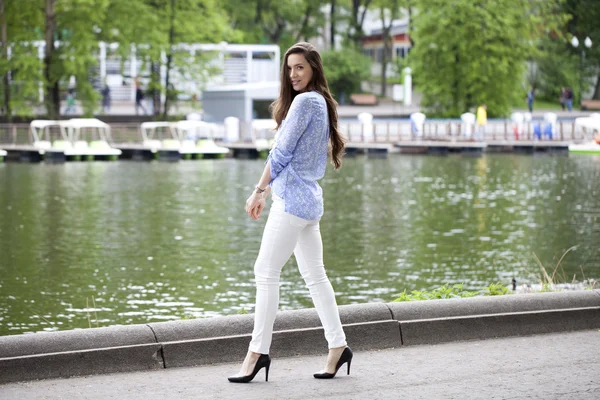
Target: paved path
point(552, 366)
point(385, 109)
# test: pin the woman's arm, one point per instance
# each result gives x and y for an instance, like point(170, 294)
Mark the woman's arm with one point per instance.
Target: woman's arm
point(297, 120)
point(256, 202)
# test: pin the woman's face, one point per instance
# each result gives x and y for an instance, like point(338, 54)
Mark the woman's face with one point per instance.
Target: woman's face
point(300, 72)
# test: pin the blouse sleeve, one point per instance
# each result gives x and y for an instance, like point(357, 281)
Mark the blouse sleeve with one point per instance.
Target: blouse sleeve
point(297, 120)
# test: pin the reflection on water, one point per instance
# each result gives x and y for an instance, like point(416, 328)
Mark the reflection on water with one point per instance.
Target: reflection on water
point(126, 242)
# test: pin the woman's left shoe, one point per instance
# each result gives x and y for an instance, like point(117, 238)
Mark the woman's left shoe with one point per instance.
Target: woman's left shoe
point(346, 357)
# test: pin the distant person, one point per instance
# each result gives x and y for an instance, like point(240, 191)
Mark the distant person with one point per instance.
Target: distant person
point(569, 99)
point(70, 100)
point(297, 161)
point(105, 98)
point(139, 97)
point(481, 121)
point(562, 98)
point(530, 99)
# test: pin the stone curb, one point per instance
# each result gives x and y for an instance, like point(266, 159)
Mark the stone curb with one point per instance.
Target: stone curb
point(225, 339)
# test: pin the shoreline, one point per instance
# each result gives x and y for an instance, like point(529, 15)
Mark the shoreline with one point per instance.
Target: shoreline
point(368, 326)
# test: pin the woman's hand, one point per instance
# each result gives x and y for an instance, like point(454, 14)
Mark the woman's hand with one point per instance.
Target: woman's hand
point(255, 204)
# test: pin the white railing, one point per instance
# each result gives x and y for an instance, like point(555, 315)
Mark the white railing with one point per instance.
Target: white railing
point(391, 131)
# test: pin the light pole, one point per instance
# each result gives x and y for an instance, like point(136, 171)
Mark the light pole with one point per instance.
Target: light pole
point(587, 43)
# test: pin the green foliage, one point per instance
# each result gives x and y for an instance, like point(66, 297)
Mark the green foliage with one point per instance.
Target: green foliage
point(443, 292)
point(26, 68)
point(345, 70)
point(495, 289)
point(468, 53)
point(81, 24)
point(562, 65)
point(274, 21)
point(554, 68)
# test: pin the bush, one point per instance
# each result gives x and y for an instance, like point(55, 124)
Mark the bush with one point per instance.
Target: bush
point(345, 71)
point(443, 292)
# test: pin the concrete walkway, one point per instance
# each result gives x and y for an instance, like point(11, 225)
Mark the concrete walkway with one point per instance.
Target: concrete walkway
point(384, 109)
point(550, 366)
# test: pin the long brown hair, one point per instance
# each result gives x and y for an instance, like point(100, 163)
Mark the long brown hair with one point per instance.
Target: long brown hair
point(318, 83)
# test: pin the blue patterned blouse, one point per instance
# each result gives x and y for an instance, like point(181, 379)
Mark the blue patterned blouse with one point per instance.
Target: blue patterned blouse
point(299, 156)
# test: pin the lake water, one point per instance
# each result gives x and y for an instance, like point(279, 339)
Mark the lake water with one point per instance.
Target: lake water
point(133, 242)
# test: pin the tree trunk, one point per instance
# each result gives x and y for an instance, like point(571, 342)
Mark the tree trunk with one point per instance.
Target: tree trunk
point(387, 53)
point(169, 59)
point(6, 80)
point(385, 59)
point(155, 83)
point(355, 24)
point(52, 99)
point(410, 24)
point(332, 25)
point(275, 35)
point(258, 13)
point(596, 95)
point(301, 34)
point(358, 21)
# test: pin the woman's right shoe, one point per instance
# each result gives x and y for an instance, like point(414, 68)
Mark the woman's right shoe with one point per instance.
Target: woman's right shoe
point(346, 357)
point(264, 361)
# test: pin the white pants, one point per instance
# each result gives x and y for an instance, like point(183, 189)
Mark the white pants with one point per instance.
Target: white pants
point(286, 234)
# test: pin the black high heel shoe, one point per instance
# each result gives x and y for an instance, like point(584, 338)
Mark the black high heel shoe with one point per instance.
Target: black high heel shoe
point(264, 361)
point(346, 357)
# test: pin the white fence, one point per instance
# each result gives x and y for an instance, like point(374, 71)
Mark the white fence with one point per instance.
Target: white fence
point(382, 131)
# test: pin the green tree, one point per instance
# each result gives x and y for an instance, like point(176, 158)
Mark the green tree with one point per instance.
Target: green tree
point(72, 29)
point(389, 10)
point(275, 22)
point(583, 22)
point(559, 64)
point(356, 20)
point(471, 52)
point(20, 65)
point(345, 70)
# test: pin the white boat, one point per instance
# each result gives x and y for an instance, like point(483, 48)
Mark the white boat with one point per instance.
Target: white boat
point(71, 138)
point(2, 155)
point(152, 132)
point(197, 137)
point(41, 133)
point(589, 126)
point(186, 138)
point(74, 131)
point(585, 148)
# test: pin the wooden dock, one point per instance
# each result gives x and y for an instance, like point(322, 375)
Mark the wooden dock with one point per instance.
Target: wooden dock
point(249, 150)
point(375, 150)
point(27, 153)
point(465, 147)
point(136, 152)
point(527, 146)
point(439, 147)
point(246, 150)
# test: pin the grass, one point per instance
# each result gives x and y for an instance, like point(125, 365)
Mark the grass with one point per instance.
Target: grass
point(443, 292)
point(452, 292)
point(550, 278)
point(549, 281)
point(87, 306)
point(539, 105)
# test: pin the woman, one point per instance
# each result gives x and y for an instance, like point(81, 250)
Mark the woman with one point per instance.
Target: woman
point(307, 127)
